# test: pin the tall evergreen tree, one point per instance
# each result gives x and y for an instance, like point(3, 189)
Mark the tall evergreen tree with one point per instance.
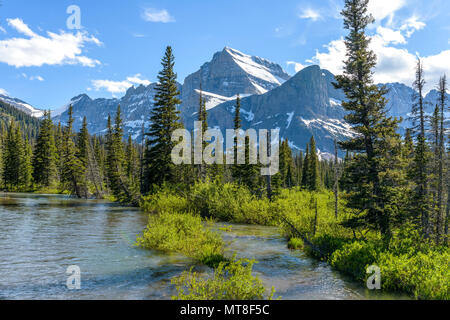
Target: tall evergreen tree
point(419, 170)
point(26, 167)
point(45, 154)
point(305, 180)
point(73, 172)
point(12, 157)
point(313, 175)
point(373, 170)
point(116, 162)
point(165, 120)
point(440, 221)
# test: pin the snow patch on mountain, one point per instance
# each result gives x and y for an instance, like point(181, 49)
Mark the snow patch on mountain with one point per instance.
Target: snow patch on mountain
point(22, 106)
point(255, 66)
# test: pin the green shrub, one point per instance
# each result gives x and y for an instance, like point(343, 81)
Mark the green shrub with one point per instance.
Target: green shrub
point(295, 244)
point(424, 275)
point(183, 233)
point(231, 281)
point(354, 258)
point(164, 200)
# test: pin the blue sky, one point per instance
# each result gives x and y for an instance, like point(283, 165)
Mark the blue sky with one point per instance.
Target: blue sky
point(121, 43)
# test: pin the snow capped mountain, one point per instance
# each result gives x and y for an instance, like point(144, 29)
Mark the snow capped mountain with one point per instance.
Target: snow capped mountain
point(135, 107)
point(305, 105)
point(300, 106)
point(229, 73)
point(22, 106)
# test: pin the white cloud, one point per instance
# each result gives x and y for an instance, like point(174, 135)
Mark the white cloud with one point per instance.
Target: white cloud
point(52, 49)
point(390, 36)
point(136, 79)
point(381, 9)
point(310, 13)
point(393, 64)
point(39, 78)
point(3, 92)
point(297, 66)
point(2, 29)
point(115, 87)
point(156, 15)
point(412, 25)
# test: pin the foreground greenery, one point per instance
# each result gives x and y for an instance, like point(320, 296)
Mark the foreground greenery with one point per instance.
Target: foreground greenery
point(232, 280)
point(183, 233)
point(409, 263)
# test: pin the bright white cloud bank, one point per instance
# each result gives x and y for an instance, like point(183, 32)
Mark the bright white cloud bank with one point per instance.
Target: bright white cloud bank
point(395, 62)
point(156, 15)
point(52, 49)
point(116, 87)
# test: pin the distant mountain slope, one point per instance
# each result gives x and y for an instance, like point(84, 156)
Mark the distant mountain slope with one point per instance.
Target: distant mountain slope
point(22, 106)
point(229, 73)
point(135, 106)
point(305, 105)
point(28, 124)
point(301, 106)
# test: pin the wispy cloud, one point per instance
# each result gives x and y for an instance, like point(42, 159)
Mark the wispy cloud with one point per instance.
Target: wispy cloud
point(116, 87)
point(3, 30)
point(32, 78)
point(53, 49)
point(309, 13)
point(297, 65)
point(3, 92)
point(157, 15)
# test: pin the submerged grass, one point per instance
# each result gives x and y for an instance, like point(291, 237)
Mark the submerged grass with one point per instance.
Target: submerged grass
point(183, 233)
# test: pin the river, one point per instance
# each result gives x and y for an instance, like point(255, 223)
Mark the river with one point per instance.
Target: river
point(42, 235)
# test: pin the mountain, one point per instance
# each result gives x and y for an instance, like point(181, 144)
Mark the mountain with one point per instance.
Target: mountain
point(22, 106)
point(305, 105)
point(28, 124)
point(228, 74)
point(135, 107)
point(301, 106)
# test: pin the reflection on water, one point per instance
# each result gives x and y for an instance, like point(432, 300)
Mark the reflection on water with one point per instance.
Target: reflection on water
point(40, 236)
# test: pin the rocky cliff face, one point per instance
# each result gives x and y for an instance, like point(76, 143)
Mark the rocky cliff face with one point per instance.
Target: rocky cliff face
point(135, 107)
point(305, 105)
point(228, 74)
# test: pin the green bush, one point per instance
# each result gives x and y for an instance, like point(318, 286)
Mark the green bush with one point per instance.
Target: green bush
point(424, 275)
point(183, 233)
point(231, 281)
point(164, 200)
point(295, 244)
point(354, 258)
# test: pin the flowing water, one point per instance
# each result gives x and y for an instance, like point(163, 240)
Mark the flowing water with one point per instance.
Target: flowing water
point(42, 235)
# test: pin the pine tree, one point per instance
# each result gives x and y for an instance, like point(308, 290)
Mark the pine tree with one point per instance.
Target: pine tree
point(165, 120)
point(440, 220)
point(26, 167)
point(373, 170)
point(73, 172)
point(305, 180)
point(235, 167)
point(45, 154)
point(419, 170)
point(12, 157)
point(313, 176)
